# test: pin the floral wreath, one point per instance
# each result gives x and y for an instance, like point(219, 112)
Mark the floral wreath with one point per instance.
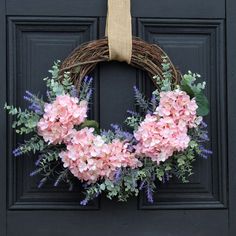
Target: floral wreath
point(158, 141)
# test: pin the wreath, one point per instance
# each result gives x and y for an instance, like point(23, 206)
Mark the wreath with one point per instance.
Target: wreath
point(158, 141)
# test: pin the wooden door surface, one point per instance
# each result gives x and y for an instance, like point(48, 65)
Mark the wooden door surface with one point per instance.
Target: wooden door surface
point(196, 34)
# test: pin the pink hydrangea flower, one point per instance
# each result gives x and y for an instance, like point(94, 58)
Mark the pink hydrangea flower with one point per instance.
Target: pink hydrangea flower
point(59, 118)
point(159, 139)
point(178, 105)
point(89, 158)
point(165, 132)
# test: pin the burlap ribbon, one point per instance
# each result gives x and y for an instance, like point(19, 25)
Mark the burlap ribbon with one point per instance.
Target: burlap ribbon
point(119, 30)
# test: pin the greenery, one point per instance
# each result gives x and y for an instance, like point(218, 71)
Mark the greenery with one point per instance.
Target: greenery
point(48, 165)
point(26, 121)
point(128, 182)
point(195, 90)
point(165, 84)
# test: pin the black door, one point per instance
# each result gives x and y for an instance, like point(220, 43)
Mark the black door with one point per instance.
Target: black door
point(196, 34)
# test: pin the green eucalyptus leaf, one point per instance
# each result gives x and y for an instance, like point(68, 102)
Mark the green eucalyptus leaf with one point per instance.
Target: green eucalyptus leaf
point(185, 87)
point(102, 187)
point(203, 104)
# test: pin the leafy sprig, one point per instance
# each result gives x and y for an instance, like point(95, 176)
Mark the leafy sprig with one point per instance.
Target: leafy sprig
point(129, 182)
point(195, 90)
point(26, 121)
point(58, 84)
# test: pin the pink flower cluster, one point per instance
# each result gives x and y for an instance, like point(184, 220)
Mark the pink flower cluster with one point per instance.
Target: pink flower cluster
point(165, 132)
point(89, 158)
point(60, 117)
point(177, 104)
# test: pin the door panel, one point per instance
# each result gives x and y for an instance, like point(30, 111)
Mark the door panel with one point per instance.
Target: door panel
point(199, 45)
point(33, 45)
point(193, 34)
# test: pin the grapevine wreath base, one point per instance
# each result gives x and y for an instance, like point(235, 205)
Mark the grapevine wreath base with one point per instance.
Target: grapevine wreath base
point(145, 56)
point(158, 141)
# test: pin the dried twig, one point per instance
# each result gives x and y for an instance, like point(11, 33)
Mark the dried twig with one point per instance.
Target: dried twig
point(145, 56)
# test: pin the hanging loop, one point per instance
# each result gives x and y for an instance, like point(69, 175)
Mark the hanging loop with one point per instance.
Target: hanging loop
point(119, 30)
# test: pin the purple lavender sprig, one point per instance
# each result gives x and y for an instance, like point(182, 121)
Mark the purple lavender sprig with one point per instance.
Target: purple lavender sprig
point(35, 172)
point(149, 193)
point(49, 96)
point(166, 177)
point(205, 153)
point(203, 124)
point(201, 138)
point(88, 80)
point(84, 202)
point(71, 186)
point(105, 133)
point(141, 101)
point(35, 104)
point(118, 175)
point(119, 133)
point(86, 91)
point(61, 177)
point(89, 95)
point(29, 96)
point(58, 180)
point(133, 113)
point(17, 152)
point(203, 135)
point(37, 162)
point(36, 108)
point(142, 184)
point(42, 182)
point(154, 102)
point(74, 92)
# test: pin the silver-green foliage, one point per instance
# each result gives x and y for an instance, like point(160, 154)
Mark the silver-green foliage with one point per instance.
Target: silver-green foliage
point(48, 165)
point(131, 181)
